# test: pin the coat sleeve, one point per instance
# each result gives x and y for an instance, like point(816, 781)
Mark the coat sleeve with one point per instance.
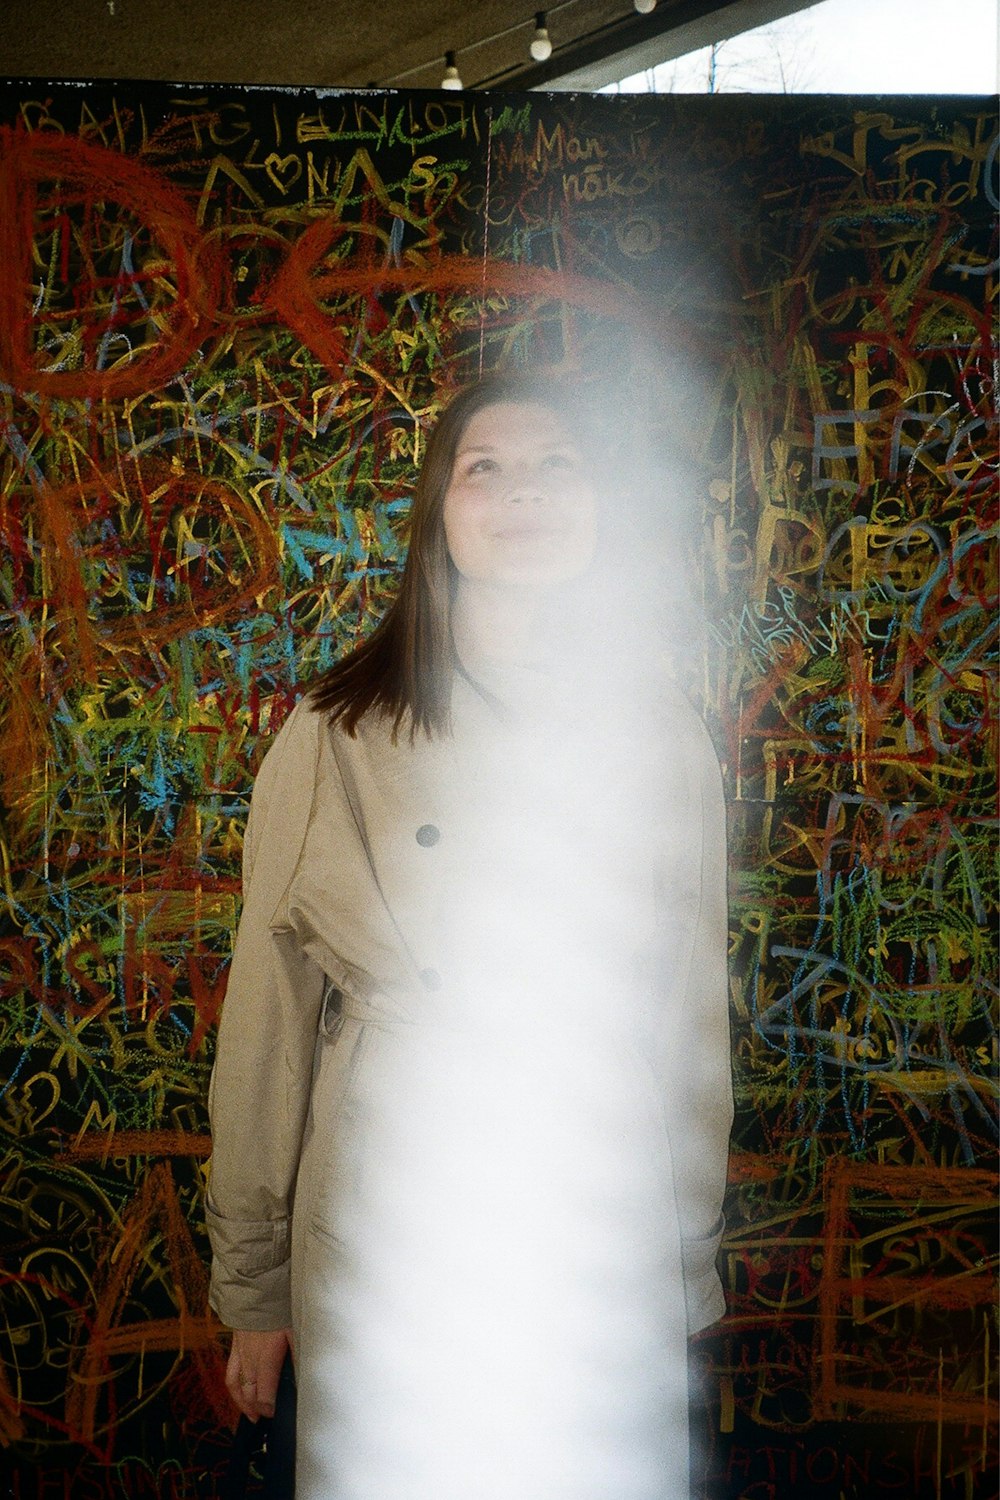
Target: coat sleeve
point(259, 1093)
point(699, 1085)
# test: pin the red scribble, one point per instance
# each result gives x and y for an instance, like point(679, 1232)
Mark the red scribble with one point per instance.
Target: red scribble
point(100, 1145)
point(28, 163)
point(193, 1331)
point(915, 1189)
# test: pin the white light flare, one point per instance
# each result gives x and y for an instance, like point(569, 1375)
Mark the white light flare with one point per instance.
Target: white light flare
point(494, 1308)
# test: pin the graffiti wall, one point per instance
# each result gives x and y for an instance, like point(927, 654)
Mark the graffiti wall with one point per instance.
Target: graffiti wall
point(227, 320)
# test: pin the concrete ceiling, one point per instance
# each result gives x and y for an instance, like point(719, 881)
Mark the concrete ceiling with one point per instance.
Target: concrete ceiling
point(355, 43)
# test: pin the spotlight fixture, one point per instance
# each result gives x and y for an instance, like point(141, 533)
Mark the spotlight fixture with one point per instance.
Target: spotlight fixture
point(541, 46)
point(451, 79)
point(645, 7)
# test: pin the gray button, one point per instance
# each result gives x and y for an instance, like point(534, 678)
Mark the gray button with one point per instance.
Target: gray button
point(431, 979)
point(428, 835)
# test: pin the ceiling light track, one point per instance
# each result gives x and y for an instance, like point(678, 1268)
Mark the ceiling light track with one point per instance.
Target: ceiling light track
point(624, 32)
point(645, 22)
point(482, 41)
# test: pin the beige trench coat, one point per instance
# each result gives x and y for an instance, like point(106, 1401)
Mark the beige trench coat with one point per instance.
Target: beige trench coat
point(355, 850)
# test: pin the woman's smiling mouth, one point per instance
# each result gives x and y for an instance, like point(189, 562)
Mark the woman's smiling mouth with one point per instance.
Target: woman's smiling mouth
point(528, 528)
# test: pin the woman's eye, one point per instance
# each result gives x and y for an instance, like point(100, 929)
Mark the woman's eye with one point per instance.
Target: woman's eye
point(559, 461)
point(484, 466)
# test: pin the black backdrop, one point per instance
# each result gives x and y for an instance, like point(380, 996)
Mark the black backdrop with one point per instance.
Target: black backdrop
point(226, 317)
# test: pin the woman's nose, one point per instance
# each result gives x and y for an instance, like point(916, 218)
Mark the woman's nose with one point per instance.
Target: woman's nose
point(525, 486)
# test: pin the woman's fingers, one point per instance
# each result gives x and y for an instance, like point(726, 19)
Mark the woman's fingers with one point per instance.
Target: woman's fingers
point(254, 1368)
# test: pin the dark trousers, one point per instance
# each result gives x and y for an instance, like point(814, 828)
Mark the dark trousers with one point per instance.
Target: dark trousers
point(265, 1448)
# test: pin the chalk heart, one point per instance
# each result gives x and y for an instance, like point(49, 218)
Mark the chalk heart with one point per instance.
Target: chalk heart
point(283, 170)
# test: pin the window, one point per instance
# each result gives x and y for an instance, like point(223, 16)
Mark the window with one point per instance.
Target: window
point(839, 47)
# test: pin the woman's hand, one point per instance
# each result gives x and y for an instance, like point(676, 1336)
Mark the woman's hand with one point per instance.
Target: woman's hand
point(255, 1362)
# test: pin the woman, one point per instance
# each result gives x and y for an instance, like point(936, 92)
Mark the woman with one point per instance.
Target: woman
point(471, 1101)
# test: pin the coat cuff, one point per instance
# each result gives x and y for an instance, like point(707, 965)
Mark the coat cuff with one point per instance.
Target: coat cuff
point(703, 1295)
point(250, 1288)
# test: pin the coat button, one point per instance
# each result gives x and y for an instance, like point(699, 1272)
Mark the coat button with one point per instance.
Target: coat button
point(428, 835)
point(431, 979)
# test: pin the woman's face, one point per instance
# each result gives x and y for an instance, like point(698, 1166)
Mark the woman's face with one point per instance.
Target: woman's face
point(520, 508)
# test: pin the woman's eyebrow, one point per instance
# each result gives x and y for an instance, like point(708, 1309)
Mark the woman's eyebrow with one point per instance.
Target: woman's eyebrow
point(545, 446)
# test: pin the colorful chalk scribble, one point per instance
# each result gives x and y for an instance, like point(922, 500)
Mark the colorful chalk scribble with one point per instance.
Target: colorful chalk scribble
point(226, 320)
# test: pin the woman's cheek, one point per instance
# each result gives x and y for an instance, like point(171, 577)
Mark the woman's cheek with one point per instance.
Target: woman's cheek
point(463, 531)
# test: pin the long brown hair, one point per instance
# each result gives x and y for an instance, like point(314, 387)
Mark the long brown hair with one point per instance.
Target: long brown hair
point(405, 667)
